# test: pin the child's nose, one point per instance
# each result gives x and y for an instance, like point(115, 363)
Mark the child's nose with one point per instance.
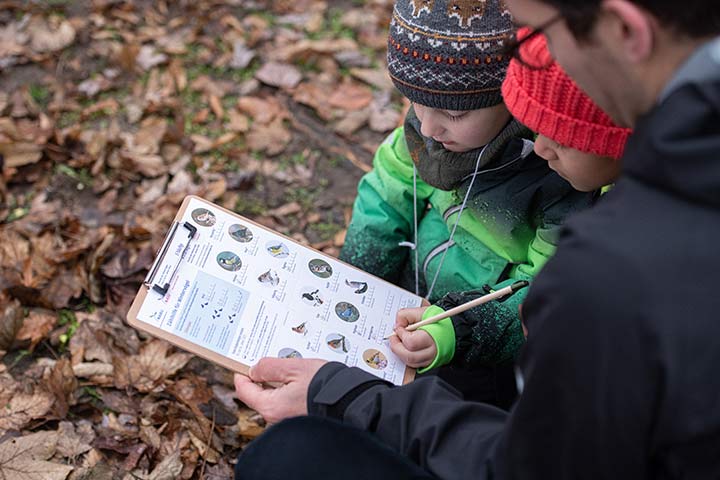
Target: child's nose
point(545, 148)
point(430, 126)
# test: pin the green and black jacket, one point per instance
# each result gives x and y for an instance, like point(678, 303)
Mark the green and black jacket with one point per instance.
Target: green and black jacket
point(507, 232)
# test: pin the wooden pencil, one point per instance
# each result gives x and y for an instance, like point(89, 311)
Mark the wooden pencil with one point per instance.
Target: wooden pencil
point(509, 290)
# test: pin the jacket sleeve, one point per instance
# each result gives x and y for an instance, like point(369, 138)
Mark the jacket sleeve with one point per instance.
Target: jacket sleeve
point(492, 333)
point(584, 412)
point(487, 334)
point(383, 211)
point(426, 421)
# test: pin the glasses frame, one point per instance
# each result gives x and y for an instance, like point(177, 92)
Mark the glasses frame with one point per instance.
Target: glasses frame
point(513, 45)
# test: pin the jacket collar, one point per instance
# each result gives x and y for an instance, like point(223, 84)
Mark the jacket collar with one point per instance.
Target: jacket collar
point(676, 146)
point(446, 170)
point(702, 65)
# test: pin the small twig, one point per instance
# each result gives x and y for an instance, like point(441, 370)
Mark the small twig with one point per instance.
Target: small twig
point(325, 139)
point(207, 444)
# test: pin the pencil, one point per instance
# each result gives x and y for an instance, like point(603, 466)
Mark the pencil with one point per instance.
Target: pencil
point(509, 290)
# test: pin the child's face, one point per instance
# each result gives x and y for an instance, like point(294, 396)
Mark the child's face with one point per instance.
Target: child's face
point(462, 131)
point(585, 171)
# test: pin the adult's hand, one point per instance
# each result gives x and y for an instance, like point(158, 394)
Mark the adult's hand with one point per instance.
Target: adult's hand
point(289, 399)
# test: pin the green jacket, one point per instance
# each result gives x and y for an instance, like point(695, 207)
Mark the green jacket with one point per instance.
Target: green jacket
point(506, 233)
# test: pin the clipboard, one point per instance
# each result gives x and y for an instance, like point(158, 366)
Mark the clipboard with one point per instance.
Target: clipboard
point(167, 302)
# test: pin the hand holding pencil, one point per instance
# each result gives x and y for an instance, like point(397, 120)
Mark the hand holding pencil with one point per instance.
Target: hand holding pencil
point(417, 348)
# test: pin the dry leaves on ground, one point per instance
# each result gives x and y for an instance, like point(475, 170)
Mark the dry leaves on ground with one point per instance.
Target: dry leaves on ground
point(110, 113)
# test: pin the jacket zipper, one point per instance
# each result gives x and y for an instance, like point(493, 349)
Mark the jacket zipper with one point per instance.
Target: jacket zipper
point(526, 150)
point(451, 211)
point(435, 252)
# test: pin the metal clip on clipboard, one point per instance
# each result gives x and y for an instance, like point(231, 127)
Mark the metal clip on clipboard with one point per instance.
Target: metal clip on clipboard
point(158, 268)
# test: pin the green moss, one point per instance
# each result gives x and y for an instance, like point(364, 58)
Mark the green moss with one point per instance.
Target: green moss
point(334, 24)
point(41, 94)
point(304, 196)
point(81, 175)
point(247, 205)
point(67, 317)
point(325, 230)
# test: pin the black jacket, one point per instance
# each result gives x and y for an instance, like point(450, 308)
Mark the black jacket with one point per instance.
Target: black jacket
point(622, 365)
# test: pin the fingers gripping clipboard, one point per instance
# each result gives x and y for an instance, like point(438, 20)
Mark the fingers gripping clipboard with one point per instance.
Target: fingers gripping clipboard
point(232, 291)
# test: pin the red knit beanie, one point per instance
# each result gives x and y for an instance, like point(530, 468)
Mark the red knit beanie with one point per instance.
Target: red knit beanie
point(548, 102)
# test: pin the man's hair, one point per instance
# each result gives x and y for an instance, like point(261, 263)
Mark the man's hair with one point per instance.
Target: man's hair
point(691, 18)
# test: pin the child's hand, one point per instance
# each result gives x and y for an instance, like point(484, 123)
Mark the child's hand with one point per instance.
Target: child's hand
point(417, 349)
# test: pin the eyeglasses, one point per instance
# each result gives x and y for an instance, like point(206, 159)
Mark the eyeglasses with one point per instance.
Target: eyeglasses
point(513, 47)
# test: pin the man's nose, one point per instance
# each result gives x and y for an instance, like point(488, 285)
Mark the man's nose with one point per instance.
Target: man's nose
point(545, 148)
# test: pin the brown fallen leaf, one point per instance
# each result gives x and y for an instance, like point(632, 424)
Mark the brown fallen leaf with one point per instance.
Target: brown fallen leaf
point(11, 322)
point(207, 452)
point(216, 107)
point(89, 343)
point(20, 154)
point(179, 74)
point(148, 57)
point(377, 77)
point(351, 96)
point(215, 189)
point(62, 384)
point(242, 56)
point(148, 165)
point(314, 96)
point(107, 107)
point(150, 135)
point(248, 423)
point(261, 110)
point(50, 35)
point(384, 118)
point(202, 143)
point(221, 471)
point(282, 75)
point(149, 368)
point(352, 122)
point(304, 49)
point(93, 369)
point(238, 122)
point(176, 43)
point(211, 86)
point(24, 458)
point(271, 139)
point(22, 141)
point(75, 438)
point(37, 325)
point(93, 86)
point(66, 284)
point(12, 40)
point(283, 211)
point(22, 408)
point(168, 469)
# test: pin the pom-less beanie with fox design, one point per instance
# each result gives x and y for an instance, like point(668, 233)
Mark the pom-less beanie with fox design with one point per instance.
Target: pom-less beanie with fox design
point(447, 54)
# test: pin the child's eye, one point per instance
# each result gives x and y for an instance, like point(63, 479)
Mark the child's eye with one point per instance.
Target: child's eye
point(455, 116)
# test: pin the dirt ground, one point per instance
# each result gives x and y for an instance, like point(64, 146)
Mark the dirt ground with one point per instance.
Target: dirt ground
point(110, 113)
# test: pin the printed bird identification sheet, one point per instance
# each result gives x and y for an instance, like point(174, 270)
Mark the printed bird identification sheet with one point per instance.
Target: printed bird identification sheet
point(233, 291)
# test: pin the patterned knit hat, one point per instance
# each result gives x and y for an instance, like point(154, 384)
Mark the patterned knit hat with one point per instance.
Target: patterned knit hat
point(447, 54)
point(548, 102)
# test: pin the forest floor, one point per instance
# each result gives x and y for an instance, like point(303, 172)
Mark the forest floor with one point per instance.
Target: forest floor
point(111, 112)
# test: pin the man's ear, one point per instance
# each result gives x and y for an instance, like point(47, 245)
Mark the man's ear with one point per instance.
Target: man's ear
point(631, 27)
